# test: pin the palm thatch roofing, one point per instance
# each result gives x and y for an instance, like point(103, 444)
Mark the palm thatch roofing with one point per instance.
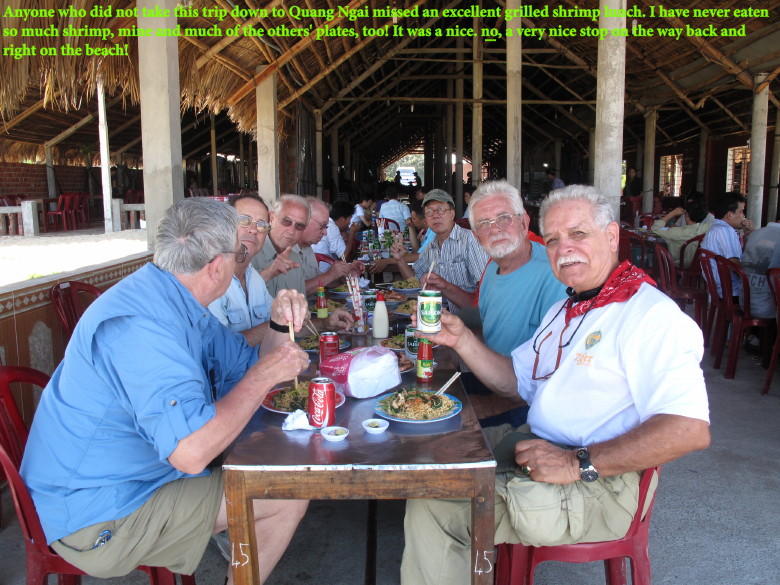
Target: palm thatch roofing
point(388, 93)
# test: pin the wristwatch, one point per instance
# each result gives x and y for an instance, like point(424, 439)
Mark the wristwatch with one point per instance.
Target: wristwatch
point(587, 471)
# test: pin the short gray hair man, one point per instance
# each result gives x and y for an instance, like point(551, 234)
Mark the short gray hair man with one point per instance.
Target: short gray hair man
point(192, 232)
point(492, 188)
point(603, 213)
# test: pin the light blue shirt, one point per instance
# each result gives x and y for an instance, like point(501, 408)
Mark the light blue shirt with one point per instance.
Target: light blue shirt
point(397, 211)
point(142, 371)
point(521, 298)
point(722, 239)
point(239, 310)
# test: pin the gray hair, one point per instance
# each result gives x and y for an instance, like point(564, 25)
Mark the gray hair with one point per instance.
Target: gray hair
point(312, 200)
point(496, 189)
point(602, 208)
point(280, 203)
point(192, 233)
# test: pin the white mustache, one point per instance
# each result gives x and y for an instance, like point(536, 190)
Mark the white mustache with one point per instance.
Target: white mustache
point(570, 259)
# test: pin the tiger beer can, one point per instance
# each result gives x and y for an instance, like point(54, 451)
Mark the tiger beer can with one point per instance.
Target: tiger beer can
point(429, 305)
point(322, 402)
point(329, 345)
point(412, 343)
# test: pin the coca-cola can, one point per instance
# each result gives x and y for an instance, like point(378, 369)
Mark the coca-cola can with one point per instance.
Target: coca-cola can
point(329, 345)
point(322, 402)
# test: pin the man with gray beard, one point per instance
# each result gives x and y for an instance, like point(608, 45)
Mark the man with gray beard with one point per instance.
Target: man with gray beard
point(517, 287)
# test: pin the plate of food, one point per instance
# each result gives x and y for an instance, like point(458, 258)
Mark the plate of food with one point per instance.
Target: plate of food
point(312, 343)
point(404, 363)
point(407, 308)
point(341, 292)
point(408, 286)
point(392, 296)
point(416, 406)
point(332, 306)
point(286, 400)
point(396, 342)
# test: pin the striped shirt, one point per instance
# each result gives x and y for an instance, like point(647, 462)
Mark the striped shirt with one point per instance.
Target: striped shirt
point(460, 260)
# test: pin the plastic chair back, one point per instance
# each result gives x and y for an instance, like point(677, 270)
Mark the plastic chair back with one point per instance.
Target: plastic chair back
point(13, 430)
point(667, 271)
point(324, 258)
point(389, 224)
point(68, 303)
point(516, 562)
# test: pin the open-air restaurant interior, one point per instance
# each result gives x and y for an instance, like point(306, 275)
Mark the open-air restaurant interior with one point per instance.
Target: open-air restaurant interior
point(433, 291)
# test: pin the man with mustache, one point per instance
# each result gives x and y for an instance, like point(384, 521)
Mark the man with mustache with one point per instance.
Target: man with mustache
point(517, 284)
point(614, 386)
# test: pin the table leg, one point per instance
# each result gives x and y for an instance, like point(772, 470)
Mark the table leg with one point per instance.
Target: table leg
point(371, 537)
point(240, 513)
point(483, 527)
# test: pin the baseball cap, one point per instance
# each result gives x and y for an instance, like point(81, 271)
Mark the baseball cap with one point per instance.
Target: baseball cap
point(438, 195)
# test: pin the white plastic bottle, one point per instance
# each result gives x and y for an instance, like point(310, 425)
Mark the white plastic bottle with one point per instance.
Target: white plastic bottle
point(381, 327)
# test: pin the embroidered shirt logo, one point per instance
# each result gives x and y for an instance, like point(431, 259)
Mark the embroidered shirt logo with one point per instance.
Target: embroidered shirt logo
point(592, 339)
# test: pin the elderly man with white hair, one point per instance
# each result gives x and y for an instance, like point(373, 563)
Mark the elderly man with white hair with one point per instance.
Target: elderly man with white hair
point(151, 390)
point(614, 386)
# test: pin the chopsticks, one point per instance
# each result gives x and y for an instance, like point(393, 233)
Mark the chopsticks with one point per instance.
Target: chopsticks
point(433, 263)
point(312, 328)
point(449, 383)
point(292, 338)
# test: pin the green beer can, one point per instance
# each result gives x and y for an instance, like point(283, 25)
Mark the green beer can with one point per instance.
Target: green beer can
point(429, 311)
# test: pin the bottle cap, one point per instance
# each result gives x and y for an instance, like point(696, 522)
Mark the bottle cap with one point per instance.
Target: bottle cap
point(380, 296)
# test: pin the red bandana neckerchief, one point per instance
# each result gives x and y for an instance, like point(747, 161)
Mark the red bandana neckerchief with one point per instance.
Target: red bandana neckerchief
point(621, 285)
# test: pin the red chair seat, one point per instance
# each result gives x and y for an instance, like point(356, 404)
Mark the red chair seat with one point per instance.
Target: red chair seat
point(516, 562)
point(41, 559)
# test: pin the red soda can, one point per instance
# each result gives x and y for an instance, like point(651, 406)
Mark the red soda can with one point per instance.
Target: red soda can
point(329, 344)
point(322, 402)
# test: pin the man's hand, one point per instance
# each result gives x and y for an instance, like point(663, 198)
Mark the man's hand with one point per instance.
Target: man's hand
point(282, 363)
point(435, 282)
point(676, 212)
point(357, 268)
point(338, 270)
point(453, 330)
point(747, 227)
point(547, 462)
point(397, 250)
point(289, 306)
point(281, 265)
point(340, 320)
point(382, 265)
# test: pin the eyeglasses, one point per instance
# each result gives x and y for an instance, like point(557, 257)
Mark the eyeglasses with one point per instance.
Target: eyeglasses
point(241, 254)
point(431, 211)
point(262, 226)
point(287, 222)
point(561, 345)
point(502, 222)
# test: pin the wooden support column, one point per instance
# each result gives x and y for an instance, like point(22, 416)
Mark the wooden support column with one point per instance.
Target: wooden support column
point(214, 169)
point(758, 129)
point(457, 188)
point(348, 159)
point(476, 110)
point(648, 178)
point(158, 70)
point(241, 166)
point(267, 138)
point(610, 99)
point(318, 150)
point(334, 162)
point(51, 178)
point(514, 97)
point(449, 134)
point(701, 173)
point(105, 159)
point(591, 156)
point(774, 173)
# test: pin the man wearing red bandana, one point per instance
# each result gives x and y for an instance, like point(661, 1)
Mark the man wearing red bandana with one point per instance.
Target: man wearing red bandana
point(614, 386)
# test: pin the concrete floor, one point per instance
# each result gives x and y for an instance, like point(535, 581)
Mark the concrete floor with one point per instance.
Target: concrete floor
point(715, 521)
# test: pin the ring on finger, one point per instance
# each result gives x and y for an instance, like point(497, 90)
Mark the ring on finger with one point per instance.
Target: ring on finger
point(525, 470)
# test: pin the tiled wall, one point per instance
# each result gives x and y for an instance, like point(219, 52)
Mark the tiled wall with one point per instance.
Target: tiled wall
point(30, 332)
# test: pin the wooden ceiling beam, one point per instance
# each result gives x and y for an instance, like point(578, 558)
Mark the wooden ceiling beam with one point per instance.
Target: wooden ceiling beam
point(21, 116)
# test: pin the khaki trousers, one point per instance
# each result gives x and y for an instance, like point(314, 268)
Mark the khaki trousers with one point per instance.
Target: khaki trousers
point(438, 532)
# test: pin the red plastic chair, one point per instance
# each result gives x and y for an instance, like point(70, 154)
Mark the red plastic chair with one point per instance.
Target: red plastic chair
point(714, 318)
point(389, 224)
point(81, 209)
point(41, 560)
point(629, 240)
point(64, 212)
point(324, 258)
point(740, 318)
point(773, 279)
point(690, 276)
point(682, 295)
point(68, 303)
point(646, 220)
point(516, 562)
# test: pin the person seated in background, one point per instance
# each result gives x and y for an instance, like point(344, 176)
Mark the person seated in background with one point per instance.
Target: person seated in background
point(279, 258)
point(419, 238)
point(394, 209)
point(339, 240)
point(694, 213)
point(762, 252)
point(455, 254)
point(467, 192)
point(601, 411)
point(722, 237)
point(363, 212)
point(518, 285)
point(691, 198)
point(246, 305)
point(152, 389)
point(555, 181)
point(633, 186)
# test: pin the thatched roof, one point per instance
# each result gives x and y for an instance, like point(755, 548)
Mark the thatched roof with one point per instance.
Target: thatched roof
point(387, 93)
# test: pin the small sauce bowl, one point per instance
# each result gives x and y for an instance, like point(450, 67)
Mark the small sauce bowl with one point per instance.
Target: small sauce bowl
point(375, 426)
point(335, 434)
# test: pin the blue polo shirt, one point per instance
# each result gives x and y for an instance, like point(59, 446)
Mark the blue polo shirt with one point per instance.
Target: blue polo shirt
point(141, 372)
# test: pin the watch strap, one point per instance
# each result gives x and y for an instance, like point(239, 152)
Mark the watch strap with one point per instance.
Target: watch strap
point(276, 327)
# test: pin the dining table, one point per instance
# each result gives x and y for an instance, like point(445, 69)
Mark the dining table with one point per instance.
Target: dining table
point(446, 458)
